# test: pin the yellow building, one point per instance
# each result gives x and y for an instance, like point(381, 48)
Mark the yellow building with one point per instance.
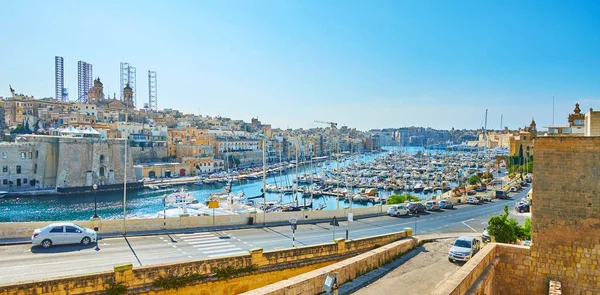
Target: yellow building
point(521, 144)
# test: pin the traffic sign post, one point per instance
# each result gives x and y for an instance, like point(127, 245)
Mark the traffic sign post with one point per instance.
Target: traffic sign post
point(293, 223)
point(213, 205)
point(164, 200)
point(334, 222)
point(350, 218)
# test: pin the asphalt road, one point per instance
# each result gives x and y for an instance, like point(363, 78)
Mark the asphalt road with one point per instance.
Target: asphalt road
point(24, 262)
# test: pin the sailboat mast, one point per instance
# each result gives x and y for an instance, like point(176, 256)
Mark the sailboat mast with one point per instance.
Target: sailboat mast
point(297, 183)
point(264, 188)
point(501, 117)
point(485, 132)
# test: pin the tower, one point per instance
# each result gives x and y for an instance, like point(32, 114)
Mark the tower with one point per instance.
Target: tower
point(152, 95)
point(128, 94)
point(96, 93)
point(59, 78)
point(127, 77)
point(84, 80)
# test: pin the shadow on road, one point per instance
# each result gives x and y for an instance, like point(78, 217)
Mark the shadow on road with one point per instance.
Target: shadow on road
point(280, 233)
point(133, 251)
point(62, 248)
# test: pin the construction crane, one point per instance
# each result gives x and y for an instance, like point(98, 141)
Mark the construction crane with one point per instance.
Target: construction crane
point(333, 125)
point(12, 91)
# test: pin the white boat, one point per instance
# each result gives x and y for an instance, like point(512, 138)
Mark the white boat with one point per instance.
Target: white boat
point(3, 193)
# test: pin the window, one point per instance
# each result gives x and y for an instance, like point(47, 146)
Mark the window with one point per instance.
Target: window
point(71, 229)
point(524, 137)
point(58, 229)
point(23, 155)
point(30, 155)
point(34, 168)
point(4, 168)
point(24, 180)
point(101, 159)
point(18, 169)
point(36, 154)
point(101, 172)
point(4, 155)
point(5, 181)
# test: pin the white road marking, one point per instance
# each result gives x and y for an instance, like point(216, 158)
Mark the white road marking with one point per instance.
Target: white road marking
point(212, 244)
point(224, 247)
point(464, 222)
point(219, 251)
point(194, 235)
point(205, 241)
point(233, 253)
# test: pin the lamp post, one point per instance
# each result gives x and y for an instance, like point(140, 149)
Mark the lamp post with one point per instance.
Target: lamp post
point(95, 187)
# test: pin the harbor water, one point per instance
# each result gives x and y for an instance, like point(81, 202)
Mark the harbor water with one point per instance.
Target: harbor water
point(145, 203)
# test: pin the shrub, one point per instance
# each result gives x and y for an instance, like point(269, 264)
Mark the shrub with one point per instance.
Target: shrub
point(115, 288)
point(401, 199)
point(508, 230)
point(176, 282)
point(473, 180)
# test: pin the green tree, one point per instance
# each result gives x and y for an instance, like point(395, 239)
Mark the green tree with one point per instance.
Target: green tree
point(474, 180)
point(401, 199)
point(508, 230)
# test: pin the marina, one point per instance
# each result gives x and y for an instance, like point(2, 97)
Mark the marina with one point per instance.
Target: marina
point(357, 180)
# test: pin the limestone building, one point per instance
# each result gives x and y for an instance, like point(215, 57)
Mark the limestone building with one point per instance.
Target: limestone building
point(68, 163)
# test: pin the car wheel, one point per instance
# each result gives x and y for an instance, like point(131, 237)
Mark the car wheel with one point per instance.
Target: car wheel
point(86, 241)
point(46, 244)
point(407, 213)
point(450, 259)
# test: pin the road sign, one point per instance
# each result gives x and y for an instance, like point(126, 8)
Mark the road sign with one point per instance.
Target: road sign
point(293, 220)
point(350, 216)
point(213, 204)
point(334, 222)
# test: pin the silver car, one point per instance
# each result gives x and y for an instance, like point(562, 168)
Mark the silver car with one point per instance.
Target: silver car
point(62, 234)
point(463, 249)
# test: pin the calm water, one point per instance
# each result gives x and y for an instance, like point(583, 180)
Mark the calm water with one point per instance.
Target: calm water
point(144, 203)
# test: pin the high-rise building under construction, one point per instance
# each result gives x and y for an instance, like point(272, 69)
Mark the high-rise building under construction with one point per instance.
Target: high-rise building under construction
point(84, 80)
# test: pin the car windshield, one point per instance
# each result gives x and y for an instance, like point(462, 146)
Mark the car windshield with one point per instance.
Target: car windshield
point(462, 244)
point(393, 208)
point(79, 227)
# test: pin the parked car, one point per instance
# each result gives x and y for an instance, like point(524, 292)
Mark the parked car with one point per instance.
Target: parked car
point(415, 207)
point(500, 194)
point(479, 189)
point(485, 236)
point(463, 249)
point(61, 234)
point(472, 200)
point(528, 180)
point(513, 189)
point(445, 204)
point(471, 193)
point(397, 210)
point(432, 206)
point(523, 183)
point(522, 207)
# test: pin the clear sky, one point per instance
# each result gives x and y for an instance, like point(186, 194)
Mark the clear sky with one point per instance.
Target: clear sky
point(365, 64)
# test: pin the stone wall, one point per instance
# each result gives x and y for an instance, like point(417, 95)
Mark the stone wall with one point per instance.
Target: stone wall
point(565, 229)
point(311, 282)
point(271, 266)
point(566, 219)
point(141, 155)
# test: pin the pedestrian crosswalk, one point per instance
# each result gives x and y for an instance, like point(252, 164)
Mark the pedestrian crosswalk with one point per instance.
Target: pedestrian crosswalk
point(212, 245)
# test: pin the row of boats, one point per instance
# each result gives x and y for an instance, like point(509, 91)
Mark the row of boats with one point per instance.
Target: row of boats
point(353, 181)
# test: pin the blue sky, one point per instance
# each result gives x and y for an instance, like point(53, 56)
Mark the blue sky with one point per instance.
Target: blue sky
point(365, 64)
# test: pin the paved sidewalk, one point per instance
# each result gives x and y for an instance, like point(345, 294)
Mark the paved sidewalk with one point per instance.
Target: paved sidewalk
point(425, 266)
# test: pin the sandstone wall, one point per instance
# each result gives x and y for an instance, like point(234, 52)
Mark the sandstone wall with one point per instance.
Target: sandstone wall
point(566, 215)
point(272, 266)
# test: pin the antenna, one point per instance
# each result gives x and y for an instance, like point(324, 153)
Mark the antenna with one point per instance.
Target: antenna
point(552, 109)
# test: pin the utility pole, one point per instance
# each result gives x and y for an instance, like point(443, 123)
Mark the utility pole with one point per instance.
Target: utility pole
point(125, 180)
point(264, 189)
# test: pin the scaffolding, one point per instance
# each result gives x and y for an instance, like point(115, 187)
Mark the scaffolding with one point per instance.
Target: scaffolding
point(128, 76)
point(84, 80)
point(152, 94)
point(59, 78)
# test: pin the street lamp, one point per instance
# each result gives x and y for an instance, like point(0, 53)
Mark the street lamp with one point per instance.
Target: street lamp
point(95, 187)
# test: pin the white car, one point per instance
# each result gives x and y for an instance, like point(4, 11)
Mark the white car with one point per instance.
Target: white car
point(432, 206)
point(61, 234)
point(472, 200)
point(397, 210)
